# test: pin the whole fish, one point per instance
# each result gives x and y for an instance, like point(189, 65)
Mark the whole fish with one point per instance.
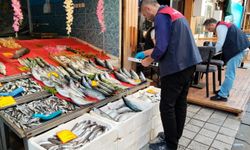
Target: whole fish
point(134, 75)
point(100, 62)
point(142, 77)
point(124, 79)
point(102, 91)
point(108, 65)
point(85, 83)
point(131, 105)
point(121, 77)
point(2, 69)
point(93, 93)
point(19, 53)
point(121, 72)
point(125, 71)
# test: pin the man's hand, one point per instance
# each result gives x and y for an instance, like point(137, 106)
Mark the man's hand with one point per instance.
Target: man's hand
point(147, 61)
point(140, 55)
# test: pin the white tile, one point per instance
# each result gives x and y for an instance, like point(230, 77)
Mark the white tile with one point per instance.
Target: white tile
point(197, 146)
point(227, 131)
point(181, 147)
point(184, 141)
point(187, 120)
point(193, 128)
point(201, 117)
point(224, 138)
point(206, 112)
point(232, 123)
point(188, 134)
point(220, 145)
point(193, 108)
point(197, 122)
point(215, 121)
point(208, 133)
point(212, 127)
point(211, 148)
point(190, 114)
point(203, 139)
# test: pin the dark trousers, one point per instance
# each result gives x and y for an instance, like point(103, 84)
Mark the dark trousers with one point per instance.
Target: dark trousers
point(173, 104)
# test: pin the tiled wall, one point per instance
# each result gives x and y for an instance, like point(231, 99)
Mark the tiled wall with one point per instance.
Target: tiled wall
point(85, 25)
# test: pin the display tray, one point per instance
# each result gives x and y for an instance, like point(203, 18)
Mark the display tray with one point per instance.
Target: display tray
point(66, 117)
point(27, 97)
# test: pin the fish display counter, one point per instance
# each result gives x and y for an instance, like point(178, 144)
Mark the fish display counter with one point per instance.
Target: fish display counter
point(50, 82)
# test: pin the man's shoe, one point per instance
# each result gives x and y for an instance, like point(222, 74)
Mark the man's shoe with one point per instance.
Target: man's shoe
point(161, 136)
point(218, 98)
point(216, 92)
point(158, 146)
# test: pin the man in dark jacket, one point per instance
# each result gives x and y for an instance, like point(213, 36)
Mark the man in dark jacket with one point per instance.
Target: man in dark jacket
point(177, 54)
point(234, 44)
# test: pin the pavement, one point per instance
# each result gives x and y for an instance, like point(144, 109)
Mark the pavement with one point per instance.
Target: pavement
point(210, 129)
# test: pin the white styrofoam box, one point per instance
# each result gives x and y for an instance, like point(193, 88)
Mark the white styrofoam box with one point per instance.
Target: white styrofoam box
point(109, 137)
point(131, 124)
point(128, 142)
point(155, 131)
point(156, 109)
point(143, 129)
point(156, 121)
point(143, 140)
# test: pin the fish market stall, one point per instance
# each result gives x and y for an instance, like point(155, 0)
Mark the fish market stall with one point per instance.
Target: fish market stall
point(55, 81)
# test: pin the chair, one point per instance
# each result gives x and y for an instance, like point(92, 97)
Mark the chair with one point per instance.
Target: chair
point(219, 63)
point(205, 67)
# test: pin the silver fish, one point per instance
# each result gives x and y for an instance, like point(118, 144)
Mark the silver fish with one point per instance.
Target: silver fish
point(108, 65)
point(2, 69)
point(134, 75)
